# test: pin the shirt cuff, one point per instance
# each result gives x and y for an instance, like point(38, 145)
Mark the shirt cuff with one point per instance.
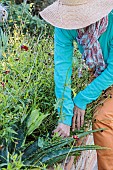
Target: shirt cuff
point(80, 102)
point(67, 120)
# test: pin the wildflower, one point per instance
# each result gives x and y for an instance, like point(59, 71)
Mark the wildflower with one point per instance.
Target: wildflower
point(7, 71)
point(3, 84)
point(23, 47)
point(75, 137)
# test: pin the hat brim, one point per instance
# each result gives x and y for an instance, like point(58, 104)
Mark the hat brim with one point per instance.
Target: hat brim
point(79, 16)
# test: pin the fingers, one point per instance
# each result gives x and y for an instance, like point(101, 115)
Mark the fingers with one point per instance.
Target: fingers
point(82, 120)
point(56, 130)
point(64, 135)
point(78, 121)
point(74, 121)
point(78, 118)
point(62, 130)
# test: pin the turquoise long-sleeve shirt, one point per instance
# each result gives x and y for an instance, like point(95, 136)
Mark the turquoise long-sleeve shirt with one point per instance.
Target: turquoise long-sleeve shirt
point(63, 55)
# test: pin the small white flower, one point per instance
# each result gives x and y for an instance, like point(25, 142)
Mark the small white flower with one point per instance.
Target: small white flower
point(3, 14)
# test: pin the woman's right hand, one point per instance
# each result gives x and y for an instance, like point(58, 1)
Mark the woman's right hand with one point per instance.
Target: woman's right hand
point(63, 130)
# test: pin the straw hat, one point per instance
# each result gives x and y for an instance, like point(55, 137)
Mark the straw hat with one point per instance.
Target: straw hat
point(75, 14)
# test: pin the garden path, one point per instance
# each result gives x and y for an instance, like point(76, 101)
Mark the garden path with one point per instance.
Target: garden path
point(88, 159)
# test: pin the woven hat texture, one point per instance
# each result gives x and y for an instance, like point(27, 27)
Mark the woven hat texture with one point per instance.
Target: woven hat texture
point(75, 14)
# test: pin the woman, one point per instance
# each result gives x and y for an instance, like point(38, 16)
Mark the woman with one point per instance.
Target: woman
point(90, 23)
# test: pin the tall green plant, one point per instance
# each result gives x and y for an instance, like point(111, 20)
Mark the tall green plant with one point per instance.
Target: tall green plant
point(35, 154)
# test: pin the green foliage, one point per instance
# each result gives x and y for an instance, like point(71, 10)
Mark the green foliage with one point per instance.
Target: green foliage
point(21, 15)
point(34, 121)
point(15, 162)
point(53, 152)
point(27, 100)
point(43, 152)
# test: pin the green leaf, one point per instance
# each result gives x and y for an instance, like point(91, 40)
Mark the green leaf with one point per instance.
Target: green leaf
point(50, 157)
point(40, 142)
point(33, 117)
point(33, 153)
point(34, 120)
point(10, 130)
point(89, 132)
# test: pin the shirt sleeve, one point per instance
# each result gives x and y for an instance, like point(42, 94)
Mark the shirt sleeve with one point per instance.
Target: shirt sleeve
point(95, 88)
point(63, 54)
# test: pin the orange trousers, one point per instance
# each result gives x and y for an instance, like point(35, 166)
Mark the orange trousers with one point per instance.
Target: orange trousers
point(103, 118)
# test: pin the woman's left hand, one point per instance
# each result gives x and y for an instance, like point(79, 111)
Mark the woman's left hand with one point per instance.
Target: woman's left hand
point(78, 118)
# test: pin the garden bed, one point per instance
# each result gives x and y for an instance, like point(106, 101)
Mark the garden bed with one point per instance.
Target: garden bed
point(27, 101)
